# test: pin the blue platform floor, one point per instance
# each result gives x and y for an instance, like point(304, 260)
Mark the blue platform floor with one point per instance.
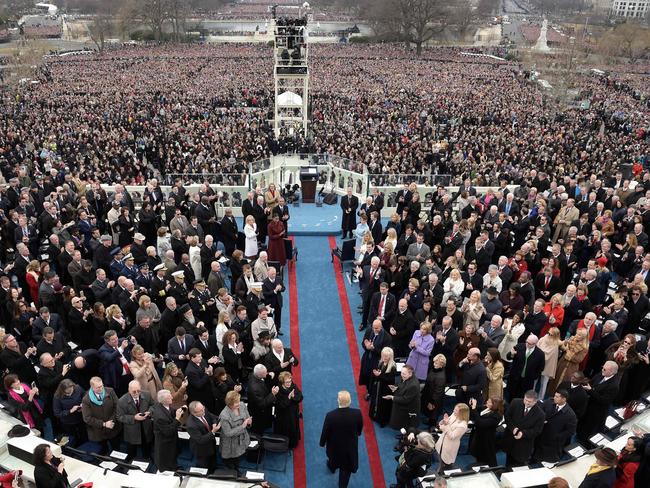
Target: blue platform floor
point(308, 219)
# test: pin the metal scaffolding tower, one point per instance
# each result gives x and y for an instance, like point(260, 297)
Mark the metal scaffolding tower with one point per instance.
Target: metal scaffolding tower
point(291, 72)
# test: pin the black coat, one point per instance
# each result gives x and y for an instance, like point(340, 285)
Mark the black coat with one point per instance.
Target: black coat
point(165, 431)
point(404, 325)
point(578, 398)
point(531, 425)
point(202, 443)
point(602, 479)
point(390, 306)
point(199, 386)
point(372, 356)
point(559, 427)
point(287, 414)
point(601, 397)
point(273, 365)
point(47, 476)
point(406, 404)
point(340, 437)
point(483, 442)
point(349, 206)
point(260, 403)
point(534, 367)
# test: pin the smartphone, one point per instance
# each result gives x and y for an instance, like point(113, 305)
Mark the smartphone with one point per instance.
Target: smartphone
point(33, 385)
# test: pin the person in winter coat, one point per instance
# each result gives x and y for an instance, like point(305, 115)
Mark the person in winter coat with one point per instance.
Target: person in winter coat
point(628, 462)
point(453, 428)
point(287, 409)
point(433, 394)
point(340, 436)
point(99, 411)
point(234, 420)
point(383, 377)
point(483, 442)
point(601, 474)
point(406, 400)
point(421, 346)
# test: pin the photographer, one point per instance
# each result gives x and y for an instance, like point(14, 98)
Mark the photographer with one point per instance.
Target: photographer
point(415, 459)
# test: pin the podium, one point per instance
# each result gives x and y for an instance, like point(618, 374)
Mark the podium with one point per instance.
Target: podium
point(308, 179)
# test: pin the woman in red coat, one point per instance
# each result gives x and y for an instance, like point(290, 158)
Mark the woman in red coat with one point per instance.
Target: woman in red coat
point(628, 463)
point(33, 278)
point(276, 232)
point(554, 311)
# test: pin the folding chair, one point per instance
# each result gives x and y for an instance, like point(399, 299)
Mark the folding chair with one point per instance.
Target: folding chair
point(345, 252)
point(278, 444)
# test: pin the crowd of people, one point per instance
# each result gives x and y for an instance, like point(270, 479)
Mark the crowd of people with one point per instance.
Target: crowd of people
point(122, 324)
point(121, 331)
point(195, 109)
point(542, 287)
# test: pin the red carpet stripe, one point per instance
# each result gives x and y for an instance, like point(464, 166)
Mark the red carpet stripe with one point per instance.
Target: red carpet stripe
point(374, 458)
point(299, 467)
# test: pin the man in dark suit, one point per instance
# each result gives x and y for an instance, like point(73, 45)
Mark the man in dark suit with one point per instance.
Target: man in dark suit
point(602, 391)
point(382, 305)
point(509, 206)
point(404, 197)
point(577, 395)
point(527, 365)
point(524, 422)
point(349, 205)
point(272, 288)
point(535, 320)
point(474, 378)
point(340, 437)
point(261, 399)
point(559, 427)
point(402, 328)
point(133, 413)
point(208, 346)
point(370, 277)
point(603, 338)
point(229, 231)
point(114, 358)
point(282, 211)
point(165, 431)
point(179, 346)
point(248, 204)
point(546, 285)
point(199, 380)
point(202, 426)
point(45, 319)
point(446, 344)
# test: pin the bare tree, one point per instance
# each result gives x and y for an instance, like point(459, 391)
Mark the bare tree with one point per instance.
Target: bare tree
point(630, 40)
point(178, 12)
point(99, 29)
point(155, 13)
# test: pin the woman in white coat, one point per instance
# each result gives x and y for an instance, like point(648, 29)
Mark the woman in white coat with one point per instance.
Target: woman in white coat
point(453, 428)
point(195, 256)
point(250, 231)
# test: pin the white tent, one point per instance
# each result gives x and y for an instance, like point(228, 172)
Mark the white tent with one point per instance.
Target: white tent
point(289, 99)
point(51, 9)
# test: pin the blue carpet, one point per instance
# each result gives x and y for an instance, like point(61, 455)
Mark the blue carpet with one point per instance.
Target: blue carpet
point(310, 220)
point(326, 365)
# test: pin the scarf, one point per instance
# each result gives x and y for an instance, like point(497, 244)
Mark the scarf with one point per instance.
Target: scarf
point(19, 399)
point(597, 468)
point(97, 400)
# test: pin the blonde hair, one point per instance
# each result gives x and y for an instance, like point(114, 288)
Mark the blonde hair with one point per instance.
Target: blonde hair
point(112, 310)
point(232, 397)
point(441, 358)
point(344, 399)
point(250, 219)
point(143, 299)
point(282, 377)
point(390, 366)
point(427, 325)
point(463, 412)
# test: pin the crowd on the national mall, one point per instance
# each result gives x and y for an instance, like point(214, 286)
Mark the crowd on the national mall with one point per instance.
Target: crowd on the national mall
point(518, 313)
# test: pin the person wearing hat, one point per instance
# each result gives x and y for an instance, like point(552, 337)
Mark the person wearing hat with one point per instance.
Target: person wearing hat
point(254, 300)
point(129, 269)
point(202, 302)
point(102, 256)
point(115, 268)
point(178, 289)
point(491, 303)
point(188, 321)
point(138, 249)
point(144, 276)
point(159, 286)
point(602, 473)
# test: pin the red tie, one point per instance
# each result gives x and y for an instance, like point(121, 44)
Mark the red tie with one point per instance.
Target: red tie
point(205, 423)
point(381, 305)
point(548, 280)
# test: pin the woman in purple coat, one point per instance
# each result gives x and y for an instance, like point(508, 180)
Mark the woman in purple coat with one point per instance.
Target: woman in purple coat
point(421, 345)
